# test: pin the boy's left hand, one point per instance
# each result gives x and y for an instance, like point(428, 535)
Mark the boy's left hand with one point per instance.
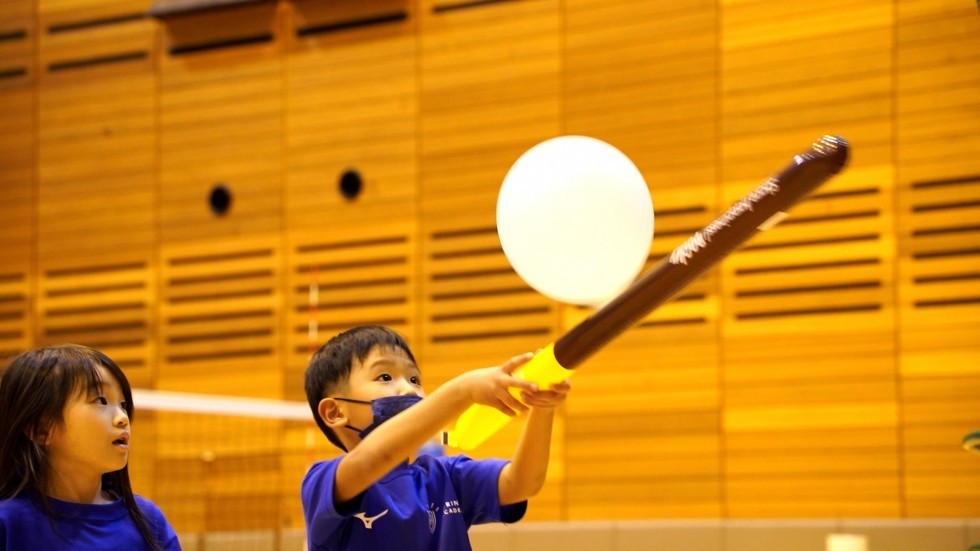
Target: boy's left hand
point(548, 398)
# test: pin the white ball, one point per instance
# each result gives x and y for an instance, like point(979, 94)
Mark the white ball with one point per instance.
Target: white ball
point(575, 219)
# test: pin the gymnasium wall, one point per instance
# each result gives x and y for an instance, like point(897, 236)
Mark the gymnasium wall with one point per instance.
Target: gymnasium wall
point(828, 369)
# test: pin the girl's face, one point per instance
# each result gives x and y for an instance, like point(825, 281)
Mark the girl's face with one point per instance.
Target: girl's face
point(94, 438)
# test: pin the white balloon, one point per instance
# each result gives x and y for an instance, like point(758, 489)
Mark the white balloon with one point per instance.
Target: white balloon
point(575, 219)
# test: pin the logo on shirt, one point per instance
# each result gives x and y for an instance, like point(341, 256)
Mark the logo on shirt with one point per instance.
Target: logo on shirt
point(369, 521)
point(452, 508)
point(432, 517)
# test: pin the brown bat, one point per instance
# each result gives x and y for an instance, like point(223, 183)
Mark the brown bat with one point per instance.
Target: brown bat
point(761, 209)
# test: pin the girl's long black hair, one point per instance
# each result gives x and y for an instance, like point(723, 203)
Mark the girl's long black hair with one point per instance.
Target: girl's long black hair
point(34, 389)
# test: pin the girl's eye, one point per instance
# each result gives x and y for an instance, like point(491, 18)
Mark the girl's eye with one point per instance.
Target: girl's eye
point(101, 400)
point(384, 377)
point(124, 405)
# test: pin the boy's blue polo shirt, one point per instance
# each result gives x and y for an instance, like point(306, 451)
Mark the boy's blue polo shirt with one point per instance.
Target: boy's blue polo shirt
point(428, 505)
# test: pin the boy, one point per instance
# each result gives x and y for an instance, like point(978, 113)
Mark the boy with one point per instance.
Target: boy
point(372, 497)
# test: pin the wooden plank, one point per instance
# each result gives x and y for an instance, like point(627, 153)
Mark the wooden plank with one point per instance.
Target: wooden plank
point(220, 88)
point(466, 147)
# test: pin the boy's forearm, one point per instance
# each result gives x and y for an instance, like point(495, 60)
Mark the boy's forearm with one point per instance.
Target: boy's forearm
point(525, 475)
point(403, 434)
point(400, 437)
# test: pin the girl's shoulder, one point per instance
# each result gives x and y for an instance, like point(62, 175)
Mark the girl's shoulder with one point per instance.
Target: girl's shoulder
point(18, 507)
point(148, 508)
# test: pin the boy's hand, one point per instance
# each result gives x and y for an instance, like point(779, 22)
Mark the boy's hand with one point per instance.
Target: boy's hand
point(549, 398)
point(491, 386)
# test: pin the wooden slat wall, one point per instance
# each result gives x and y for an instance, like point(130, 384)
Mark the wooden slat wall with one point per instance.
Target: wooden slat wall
point(828, 369)
point(368, 278)
point(938, 104)
point(805, 433)
point(16, 317)
point(643, 76)
point(219, 317)
point(96, 133)
point(351, 105)
point(105, 306)
point(490, 85)
point(17, 174)
point(220, 333)
point(221, 122)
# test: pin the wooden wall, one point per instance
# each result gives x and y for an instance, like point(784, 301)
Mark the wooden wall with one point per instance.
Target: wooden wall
point(828, 369)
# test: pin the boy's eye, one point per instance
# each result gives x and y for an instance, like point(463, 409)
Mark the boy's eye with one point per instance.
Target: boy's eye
point(384, 377)
point(416, 380)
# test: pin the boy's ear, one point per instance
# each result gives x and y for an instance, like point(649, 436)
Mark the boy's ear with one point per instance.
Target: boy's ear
point(329, 410)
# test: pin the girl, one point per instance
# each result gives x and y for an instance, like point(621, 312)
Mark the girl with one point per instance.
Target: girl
point(64, 446)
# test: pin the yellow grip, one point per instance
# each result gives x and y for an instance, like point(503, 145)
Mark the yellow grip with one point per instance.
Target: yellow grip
point(480, 422)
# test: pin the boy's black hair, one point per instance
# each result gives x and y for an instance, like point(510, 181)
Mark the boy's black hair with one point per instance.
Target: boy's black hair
point(332, 363)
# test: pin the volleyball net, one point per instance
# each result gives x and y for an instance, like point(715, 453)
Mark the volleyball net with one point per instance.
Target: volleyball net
point(226, 471)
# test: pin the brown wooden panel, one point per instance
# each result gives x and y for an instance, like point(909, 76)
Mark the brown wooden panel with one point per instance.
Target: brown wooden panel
point(17, 34)
point(655, 393)
point(809, 349)
point(18, 161)
point(673, 472)
point(96, 133)
point(668, 498)
point(219, 317)
point(93, 10)
point(831, 257)
point(474, 305)
point(343, 278)
point(809, 315)
point(221, 122)
point(16, 10)
point(938, 62)
point(351, 105)
point(490, 77)
point(15, 311)
point(643, 76)
point(797, 72)
point(940, 260)
point(106, 304)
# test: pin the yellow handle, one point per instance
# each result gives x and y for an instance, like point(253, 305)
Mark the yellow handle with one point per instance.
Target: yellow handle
point(480, 422)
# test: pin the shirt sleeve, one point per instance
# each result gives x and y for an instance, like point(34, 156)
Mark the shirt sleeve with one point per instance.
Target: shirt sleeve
point(164, 534)
point(475, 482)
point(322, 516)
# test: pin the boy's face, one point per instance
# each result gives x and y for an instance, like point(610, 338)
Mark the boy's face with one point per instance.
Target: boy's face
point(386, 371)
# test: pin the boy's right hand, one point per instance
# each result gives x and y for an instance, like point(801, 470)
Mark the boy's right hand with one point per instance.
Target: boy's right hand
point(491, 386)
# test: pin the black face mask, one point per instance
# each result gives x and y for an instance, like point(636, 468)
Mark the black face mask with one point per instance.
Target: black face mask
point(383, 409)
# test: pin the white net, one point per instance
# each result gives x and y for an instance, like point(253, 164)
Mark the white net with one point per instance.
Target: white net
point(226, 471)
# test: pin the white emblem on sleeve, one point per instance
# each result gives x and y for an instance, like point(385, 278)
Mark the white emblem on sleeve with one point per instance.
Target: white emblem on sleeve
point(369, 521)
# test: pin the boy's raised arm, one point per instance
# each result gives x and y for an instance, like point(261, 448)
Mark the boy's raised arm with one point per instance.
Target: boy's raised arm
point(525, 475)
point(400, 437)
